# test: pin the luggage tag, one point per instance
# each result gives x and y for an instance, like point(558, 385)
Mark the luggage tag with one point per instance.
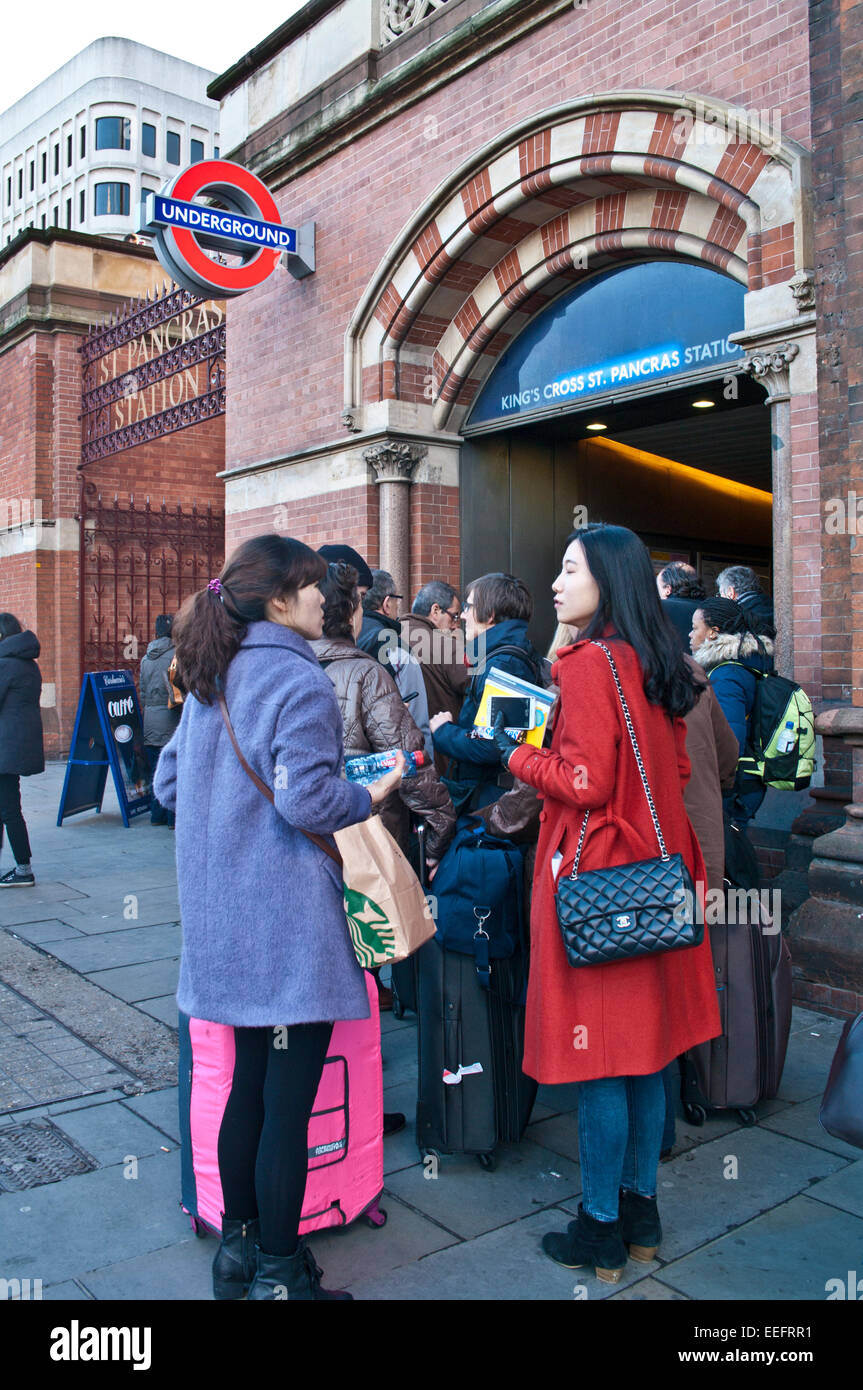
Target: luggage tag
point(453, 1078)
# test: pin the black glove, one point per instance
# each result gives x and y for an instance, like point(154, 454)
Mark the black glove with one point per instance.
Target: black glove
point(505, 744)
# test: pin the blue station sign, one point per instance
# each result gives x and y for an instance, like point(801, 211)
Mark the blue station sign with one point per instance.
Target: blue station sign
point(218, 228)
point(636, 324)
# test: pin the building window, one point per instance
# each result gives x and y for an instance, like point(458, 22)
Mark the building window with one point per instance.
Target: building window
point(113, 133)
point(81, 206)
point(43, 221)
point(197, 151)
point(68, 151)
point(9, 190)
point(44, 166)
point(148, 140)
point(112, 200)
point(32, 174)
point(69, 212)
point(172, 151)
point(20, 183)
point(56, 159)
point(215, 152)
point(83, 141)
point(56, 217)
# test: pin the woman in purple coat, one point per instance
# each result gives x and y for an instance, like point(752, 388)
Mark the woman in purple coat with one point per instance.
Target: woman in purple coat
point(266, 946)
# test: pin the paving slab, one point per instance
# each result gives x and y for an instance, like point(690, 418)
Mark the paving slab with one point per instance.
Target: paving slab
point(801, 1122)
point(67, 1292)
point(111, 1133)
point(180, 1272)
point(43, 892)
point(468, 1201)
point(807, 1065)
point(788, 1253)
point(400, 1150)
point(64, 1229)
point(697, 1203)
point(41, 932)
point(159, 1108)
point(649, 1290)
point(559, 1133)
point(843, 1189)
point(164, 1008)
point(134, 982)
point(153, 906)
point(504, 1264)
point(99, 953)
point(360, 1252)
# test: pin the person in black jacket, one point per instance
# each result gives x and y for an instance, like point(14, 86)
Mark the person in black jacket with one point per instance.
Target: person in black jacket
point(740, 584)
point(21, 749)
point(497, 611)
point(160, 717)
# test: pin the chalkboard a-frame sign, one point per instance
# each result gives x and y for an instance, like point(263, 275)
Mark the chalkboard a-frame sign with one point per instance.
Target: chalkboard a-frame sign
point(108, 733)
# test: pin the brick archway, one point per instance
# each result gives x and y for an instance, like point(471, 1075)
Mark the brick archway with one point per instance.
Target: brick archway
point(591, 184)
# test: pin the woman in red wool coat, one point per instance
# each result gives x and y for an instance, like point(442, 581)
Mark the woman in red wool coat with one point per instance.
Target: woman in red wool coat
point(612, 1027)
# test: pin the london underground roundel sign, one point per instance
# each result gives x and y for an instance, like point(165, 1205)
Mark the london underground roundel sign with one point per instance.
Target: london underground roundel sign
point(246, 224)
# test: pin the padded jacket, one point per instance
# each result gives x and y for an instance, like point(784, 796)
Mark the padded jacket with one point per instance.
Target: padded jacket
point(21, 749)
point(376, 719)
point(731, 660)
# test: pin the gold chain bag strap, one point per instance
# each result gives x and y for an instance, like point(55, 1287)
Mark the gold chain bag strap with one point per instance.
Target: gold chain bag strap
point(628, 910)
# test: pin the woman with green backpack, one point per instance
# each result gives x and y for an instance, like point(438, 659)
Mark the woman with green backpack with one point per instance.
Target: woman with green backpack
point(734, 656)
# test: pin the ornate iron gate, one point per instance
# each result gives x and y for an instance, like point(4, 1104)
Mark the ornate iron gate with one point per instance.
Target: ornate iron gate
point(157, 367)
point(138, 562)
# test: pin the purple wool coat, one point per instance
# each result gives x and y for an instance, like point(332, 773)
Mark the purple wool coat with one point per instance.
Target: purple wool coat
point(265, 940)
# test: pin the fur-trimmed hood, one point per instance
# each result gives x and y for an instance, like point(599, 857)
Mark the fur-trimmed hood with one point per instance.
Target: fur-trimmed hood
point(736, 646)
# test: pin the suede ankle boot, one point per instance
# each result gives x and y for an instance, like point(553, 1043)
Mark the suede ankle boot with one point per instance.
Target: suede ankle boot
point(291, 1277)
point(639, 1225)
point(234, 1265)
point(589, 1242)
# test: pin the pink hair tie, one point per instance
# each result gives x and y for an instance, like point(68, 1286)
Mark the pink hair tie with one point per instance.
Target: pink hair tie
point(215, 587)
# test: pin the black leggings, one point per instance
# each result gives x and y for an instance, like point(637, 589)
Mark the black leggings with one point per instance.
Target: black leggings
point(11, 817)
point(263, 1139)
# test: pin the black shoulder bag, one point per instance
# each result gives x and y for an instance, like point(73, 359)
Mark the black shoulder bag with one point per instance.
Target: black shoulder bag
point(628, 909)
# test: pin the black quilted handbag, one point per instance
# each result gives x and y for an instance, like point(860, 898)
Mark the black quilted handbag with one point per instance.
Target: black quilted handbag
point(628, 909)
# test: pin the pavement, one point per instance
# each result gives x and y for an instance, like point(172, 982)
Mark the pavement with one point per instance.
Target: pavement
point(89, 1157)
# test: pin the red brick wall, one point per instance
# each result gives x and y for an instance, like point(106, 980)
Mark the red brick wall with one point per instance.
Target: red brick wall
point(285, 386)
point(435, 536)
point(349, 516)
point(806, 544)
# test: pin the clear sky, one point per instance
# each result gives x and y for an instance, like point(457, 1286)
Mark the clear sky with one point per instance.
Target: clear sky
point(36, 39)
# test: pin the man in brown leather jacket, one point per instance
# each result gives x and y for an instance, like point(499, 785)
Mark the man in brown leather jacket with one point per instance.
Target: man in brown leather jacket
point(433, 632)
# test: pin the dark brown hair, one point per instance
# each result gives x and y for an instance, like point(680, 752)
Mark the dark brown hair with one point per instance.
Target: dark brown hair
point(341, 597)
point(496, 597)
point(209, 627)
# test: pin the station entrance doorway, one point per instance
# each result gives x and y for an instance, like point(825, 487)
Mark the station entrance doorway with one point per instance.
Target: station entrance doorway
point(620, 402)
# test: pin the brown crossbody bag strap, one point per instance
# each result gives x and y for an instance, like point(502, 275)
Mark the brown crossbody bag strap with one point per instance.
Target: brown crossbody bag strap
point(265, 790)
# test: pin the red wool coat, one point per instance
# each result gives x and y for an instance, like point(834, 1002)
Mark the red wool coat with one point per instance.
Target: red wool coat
point(638, 1014)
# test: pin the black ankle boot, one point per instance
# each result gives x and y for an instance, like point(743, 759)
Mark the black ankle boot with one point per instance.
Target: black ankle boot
point(589, 1242)
point(639, 1225)
point(234, 1265)
point(291, 1277)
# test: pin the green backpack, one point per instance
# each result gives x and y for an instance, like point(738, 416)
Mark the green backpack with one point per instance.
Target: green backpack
point(780, 748)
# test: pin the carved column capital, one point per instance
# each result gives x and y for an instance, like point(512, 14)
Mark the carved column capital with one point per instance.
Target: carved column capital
point(394, 461)
point(771, 367)
point(802, 286)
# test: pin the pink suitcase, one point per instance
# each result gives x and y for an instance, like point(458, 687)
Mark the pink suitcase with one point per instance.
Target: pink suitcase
point(346, 1154)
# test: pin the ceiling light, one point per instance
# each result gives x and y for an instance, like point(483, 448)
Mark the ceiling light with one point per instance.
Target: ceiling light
point(702, 405)
point(597, 426)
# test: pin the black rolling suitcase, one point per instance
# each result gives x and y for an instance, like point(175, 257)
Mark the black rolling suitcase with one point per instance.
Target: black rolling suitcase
point(472, 1092)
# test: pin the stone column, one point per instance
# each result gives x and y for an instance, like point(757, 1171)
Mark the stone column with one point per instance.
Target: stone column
point(771, 368)
point(394, 462)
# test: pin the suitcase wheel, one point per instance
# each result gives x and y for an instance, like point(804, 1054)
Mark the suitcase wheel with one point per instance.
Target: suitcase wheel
point(748, 1117)
point(398, 1007)
point(376, 1217)
point(695, 1114)
point(198, 1227)
point(487, 1161)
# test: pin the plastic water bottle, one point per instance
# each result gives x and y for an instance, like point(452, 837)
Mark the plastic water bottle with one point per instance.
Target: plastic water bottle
point(371, 766)
point(787, 739)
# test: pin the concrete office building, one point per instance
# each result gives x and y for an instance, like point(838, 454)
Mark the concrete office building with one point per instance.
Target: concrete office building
point(115, 121)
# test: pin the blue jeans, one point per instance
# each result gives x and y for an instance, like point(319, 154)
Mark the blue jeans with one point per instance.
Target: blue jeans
point(620, 1124)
